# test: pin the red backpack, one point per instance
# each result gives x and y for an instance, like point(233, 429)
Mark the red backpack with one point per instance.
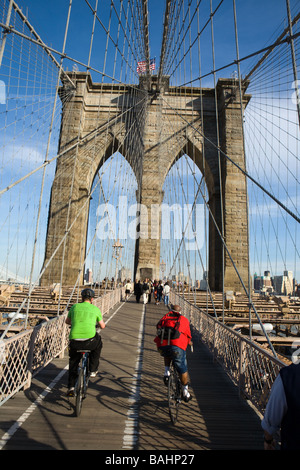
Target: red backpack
point(167, 327)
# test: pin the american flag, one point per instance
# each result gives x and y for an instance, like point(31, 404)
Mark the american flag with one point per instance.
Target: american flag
point(141, 67)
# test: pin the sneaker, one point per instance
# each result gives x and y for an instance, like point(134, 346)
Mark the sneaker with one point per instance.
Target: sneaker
point(187, 398)
point(71, 392)
point(166, 380)
point(93, 374)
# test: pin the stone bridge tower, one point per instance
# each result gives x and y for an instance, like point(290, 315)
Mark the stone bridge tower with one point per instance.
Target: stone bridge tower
point(167, 122)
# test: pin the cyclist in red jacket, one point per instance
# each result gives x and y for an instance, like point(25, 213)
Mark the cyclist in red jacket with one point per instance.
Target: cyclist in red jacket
point(173, 337)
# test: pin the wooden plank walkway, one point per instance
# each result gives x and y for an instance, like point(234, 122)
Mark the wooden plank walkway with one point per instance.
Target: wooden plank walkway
point(126, 407)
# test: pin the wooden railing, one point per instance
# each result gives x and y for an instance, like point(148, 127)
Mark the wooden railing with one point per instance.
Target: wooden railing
point(25, 354)
point(251, 368)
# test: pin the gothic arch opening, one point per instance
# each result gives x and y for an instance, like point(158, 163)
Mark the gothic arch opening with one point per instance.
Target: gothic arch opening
point(71, 196)
point(201, 162)
point(184, 228)
point(111, 219)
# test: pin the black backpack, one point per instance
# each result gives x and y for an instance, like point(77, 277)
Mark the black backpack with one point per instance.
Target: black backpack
point(167, 327)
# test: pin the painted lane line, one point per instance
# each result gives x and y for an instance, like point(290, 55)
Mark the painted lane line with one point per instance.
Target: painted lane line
point(13, 429)
point(113, 314)
point(5, 438)
point(131, 425)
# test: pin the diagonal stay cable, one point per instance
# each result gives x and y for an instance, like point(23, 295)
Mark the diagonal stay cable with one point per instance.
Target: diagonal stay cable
point(10, 29)
point(234, 62)
point(73, 146)
point(251, 304)
point(236, 165)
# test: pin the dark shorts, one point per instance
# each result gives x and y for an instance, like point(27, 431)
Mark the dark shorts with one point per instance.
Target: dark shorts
point(88, 344)
point(177, 354)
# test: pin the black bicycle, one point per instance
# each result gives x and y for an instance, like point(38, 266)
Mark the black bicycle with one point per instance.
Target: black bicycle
point(174, 393)
point(82, 381)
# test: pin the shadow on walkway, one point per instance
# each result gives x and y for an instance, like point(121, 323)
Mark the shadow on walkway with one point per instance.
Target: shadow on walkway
point(216, 418)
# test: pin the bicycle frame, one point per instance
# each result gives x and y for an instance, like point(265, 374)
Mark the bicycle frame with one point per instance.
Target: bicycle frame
point(82, 381)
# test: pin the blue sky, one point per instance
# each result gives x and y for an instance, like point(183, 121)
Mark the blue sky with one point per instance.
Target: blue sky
point(259, 24)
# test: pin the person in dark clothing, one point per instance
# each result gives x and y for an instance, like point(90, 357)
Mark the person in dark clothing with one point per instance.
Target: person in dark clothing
point(283, 410)
point(150, 291)
point(138, 290)
point(160, 289)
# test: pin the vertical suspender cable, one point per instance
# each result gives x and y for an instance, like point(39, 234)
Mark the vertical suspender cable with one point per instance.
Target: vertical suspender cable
point(203, 155)
point(243, 135)
point(46, 158)
point(64, 246)
point(293, 59)
point(3, 42)
point(219, 155)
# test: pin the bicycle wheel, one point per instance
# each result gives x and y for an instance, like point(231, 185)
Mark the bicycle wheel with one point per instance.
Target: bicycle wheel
point(173, 396)
point(79, 392)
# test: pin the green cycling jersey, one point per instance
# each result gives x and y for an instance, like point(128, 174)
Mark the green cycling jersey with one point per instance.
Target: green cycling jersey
point(84, 318)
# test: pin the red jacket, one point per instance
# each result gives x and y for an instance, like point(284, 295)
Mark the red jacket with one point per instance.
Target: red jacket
point(185, 337)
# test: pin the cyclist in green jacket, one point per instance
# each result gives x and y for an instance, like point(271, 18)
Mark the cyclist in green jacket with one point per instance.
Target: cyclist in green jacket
point(84, 317)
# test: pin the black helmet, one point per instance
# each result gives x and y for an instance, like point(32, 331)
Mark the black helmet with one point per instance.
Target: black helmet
point(87, 294)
